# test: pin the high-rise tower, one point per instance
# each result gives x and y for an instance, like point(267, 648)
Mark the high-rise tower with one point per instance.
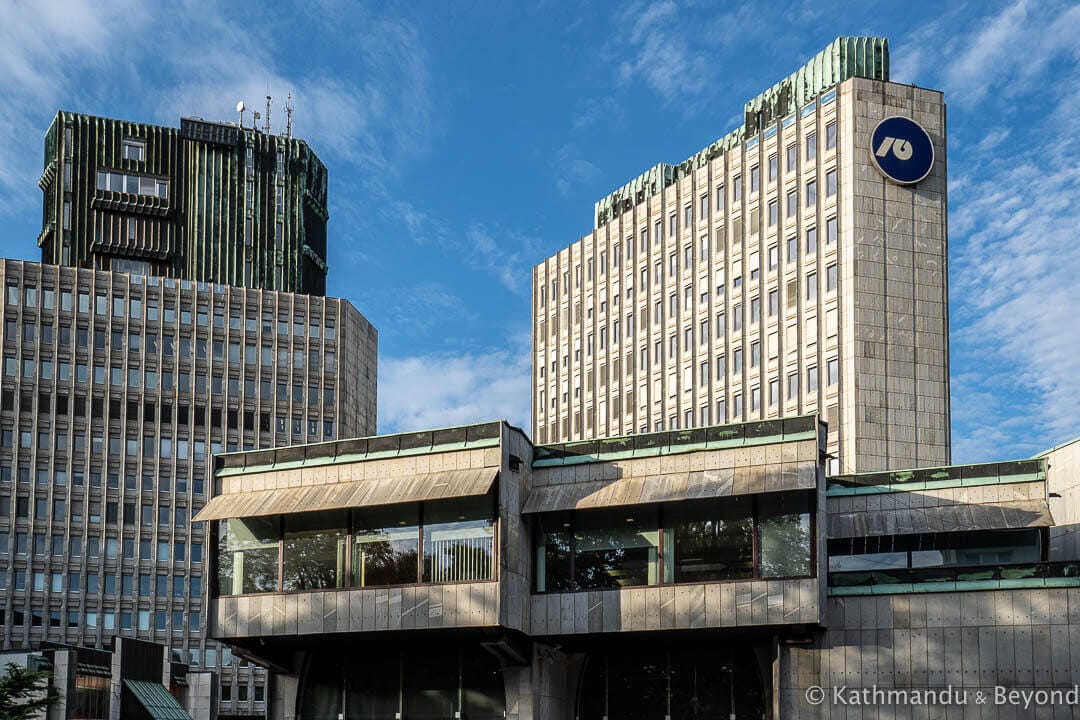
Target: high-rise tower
point(209, 202)
point(790, 267)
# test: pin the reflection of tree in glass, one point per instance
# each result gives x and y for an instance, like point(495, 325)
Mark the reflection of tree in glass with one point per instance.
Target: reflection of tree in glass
point(785, 545)
point(557, 549)
point(612, 557)
point(313, 561)
point(714, 549)
point(385, 562)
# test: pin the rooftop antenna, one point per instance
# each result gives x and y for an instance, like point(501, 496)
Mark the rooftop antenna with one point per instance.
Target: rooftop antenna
point(255, 120)
point(267, 125)
point(240, 108)
point(288, 115)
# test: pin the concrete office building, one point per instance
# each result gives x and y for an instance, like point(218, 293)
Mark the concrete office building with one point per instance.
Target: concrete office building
point(209, 202)
point(776, 272)
point(706, 573)
point(115, 391)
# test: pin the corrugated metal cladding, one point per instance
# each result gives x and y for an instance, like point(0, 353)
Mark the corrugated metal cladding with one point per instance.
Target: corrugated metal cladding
point(209, 202)
point(944, 518)
point(696, 485)
point(363, 493)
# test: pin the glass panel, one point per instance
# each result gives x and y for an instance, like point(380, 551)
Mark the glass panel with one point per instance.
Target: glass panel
point(867, 561)
point(431, 685)
point(616, 548)
point(371, 689)
point(248, 558)
point(984, 548)
point(553, 554)
point(714, 543)
point(386, 544)
point(785, 537)
point(314, 550)
point(459, 540)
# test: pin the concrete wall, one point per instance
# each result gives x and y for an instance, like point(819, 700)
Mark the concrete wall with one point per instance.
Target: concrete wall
point(973, 641)
point(894, 346)
point(1063, 479)
point(356, 610)
point(673, 607)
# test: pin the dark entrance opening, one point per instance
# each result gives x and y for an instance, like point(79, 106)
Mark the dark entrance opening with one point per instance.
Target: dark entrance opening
point(679, 684)
point(419, 684)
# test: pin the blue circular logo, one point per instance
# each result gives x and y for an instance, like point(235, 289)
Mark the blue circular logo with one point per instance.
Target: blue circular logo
point(902, 150)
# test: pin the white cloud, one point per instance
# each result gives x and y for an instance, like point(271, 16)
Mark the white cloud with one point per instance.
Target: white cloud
point(443, 390)
point(1015, 267)
point(660, 53)
point(572, 170)
point(1004, 54)
point(188, 58)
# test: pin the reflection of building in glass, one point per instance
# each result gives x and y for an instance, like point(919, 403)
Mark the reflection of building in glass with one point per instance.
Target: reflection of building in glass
point(691, 574)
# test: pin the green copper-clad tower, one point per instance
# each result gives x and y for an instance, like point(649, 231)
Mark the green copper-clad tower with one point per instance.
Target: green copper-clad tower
point(208, 202)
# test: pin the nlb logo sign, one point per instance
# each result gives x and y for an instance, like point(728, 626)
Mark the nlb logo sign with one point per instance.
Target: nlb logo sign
point(902, 150)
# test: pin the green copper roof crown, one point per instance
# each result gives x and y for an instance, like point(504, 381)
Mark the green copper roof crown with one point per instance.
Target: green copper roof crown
point(842, 59)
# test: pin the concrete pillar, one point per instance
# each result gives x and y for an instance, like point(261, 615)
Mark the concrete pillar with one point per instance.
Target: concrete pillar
point(542, 690)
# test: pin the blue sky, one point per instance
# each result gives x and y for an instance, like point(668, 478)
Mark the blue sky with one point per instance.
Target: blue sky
point(468, 141)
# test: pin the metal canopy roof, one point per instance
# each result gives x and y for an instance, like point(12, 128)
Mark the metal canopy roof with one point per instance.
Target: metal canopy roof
point(342, 495)
point(157, 700)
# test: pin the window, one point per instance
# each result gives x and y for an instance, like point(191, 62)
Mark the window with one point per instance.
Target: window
point(248, 560)
point(830, 231)
point(774, 165)
point(811, 146)
point(811, 193)
point(703, 207)
point(736, 188)
point(793, 386)
point(755, 179)
point(812, 379)
point(134, 150)
point(832, 371)
point(830, 278)
point(830, 183)
point(811, 286)
point(811, 241)
point(789, 165)
point(459, 540)
point(710, 541)
point(773, 213)
point(830, 135)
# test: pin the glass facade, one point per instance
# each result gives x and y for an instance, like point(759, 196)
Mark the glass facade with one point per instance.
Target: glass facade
point(741, 538)
point(891, 552)
point(676, 684)
point(433, 684)
point(433, 542)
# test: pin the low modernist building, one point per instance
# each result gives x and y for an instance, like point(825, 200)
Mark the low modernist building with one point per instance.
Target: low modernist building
point(714, 572)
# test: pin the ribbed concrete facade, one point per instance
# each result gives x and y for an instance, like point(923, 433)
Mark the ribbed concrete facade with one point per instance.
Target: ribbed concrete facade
point(776, 273)
point(209, 202)
point(116, 391)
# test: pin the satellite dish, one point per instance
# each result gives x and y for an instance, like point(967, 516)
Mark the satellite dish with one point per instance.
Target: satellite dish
point(240, 107)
